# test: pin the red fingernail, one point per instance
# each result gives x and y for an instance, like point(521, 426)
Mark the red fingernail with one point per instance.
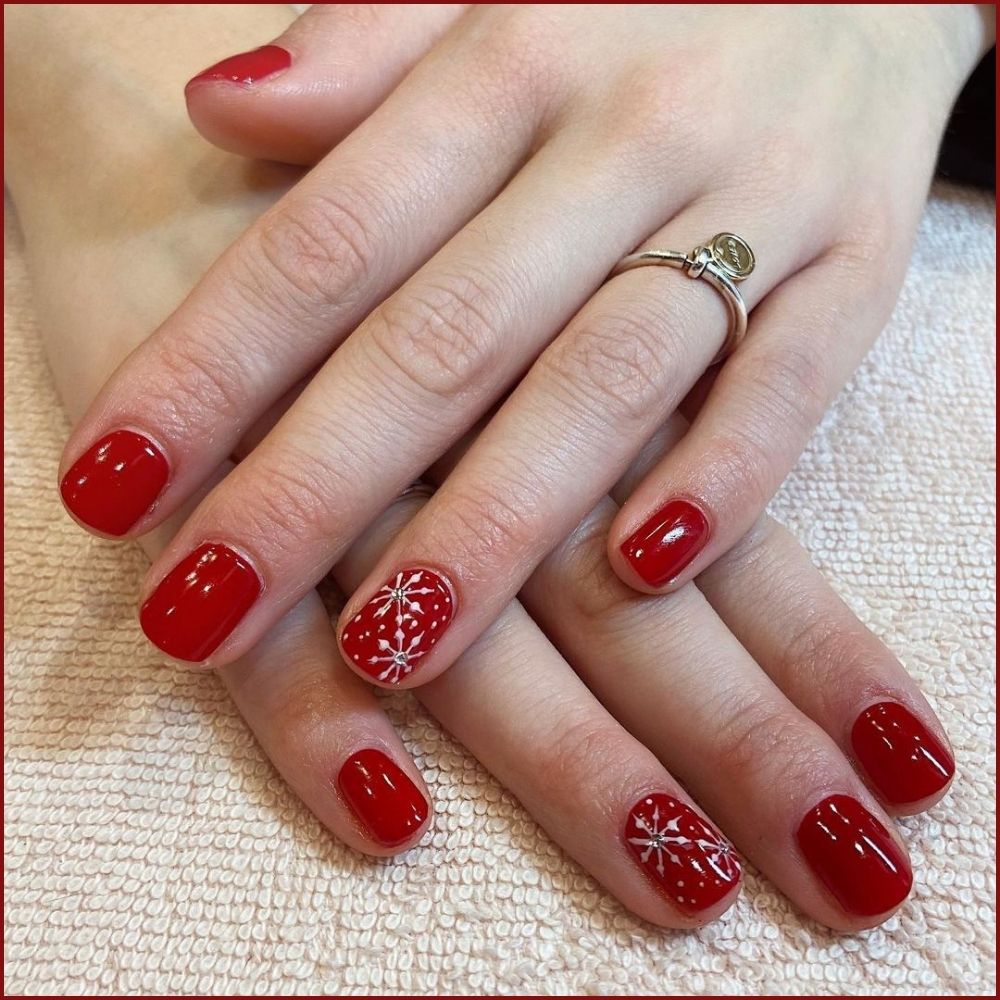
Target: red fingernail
point(689, 860)
point(113, 484)
point(401, 624)
point(247, 67)
point(667, 542)
point(904, 759)
point(199, 602)
point(389, 806)
point(854, 856)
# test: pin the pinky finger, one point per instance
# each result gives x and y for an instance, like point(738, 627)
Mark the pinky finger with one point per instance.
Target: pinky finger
point(804, 342)
point(322, 728)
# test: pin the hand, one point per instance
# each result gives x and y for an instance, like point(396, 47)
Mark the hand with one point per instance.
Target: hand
point(466, 227)
point(764, 754)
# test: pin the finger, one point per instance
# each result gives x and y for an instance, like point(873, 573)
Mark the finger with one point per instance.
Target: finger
point(414, 376)
point(803, 342)
point(323, 730)
point(295, 98)
point(518, 706)
point(284, 295)
point(831, 666)
point(673, 675)
point(820, 655)
point(571, 427)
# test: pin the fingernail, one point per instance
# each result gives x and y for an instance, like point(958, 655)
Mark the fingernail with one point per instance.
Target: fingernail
point(904, 759)
point(247, 67)
point(387, 804)
point(667, 542)
point(854, 857)
point(690, 861)
point(199, 602)
point(113, 484)
point(400, 625)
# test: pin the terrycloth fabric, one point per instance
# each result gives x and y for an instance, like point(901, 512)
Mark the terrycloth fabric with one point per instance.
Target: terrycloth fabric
point(151, 848)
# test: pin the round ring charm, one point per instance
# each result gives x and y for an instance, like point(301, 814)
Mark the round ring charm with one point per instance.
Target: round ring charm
point(723, 262)
point(733, 254)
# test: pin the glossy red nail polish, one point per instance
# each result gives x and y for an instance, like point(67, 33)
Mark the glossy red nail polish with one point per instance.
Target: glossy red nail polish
point(692, 863)
point(854, 857)
point(388, 805)
point(199, 602)
point(400, 625)
point(667, 542)
point(247, 67)
point(113, 484)
point(904, 759)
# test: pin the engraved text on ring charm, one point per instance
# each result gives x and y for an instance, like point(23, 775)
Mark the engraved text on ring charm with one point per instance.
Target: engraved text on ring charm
point(723, 262)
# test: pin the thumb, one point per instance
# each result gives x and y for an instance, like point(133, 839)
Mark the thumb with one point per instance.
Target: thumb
point(295, 98)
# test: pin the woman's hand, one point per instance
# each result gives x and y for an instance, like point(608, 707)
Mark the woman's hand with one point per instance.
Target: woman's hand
point(460, 236)
point(767, 751)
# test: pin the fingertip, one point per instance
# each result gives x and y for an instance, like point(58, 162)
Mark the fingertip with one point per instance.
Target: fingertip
point(273, 121)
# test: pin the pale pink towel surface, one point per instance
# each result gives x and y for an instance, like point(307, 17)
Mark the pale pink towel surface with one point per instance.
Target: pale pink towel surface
point(150, 847)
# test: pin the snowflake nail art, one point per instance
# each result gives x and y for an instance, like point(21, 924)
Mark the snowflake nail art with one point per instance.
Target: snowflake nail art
point(401, 623)
point(688, 859)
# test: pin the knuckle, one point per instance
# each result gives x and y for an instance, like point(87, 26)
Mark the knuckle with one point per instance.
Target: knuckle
point(744, 463)
point(864, 253)
point(512, 43)
point(299, 713)
point(316, 248)
point(582, 747)
point(443, 338)
point(290, 500)
point(830, 653)
point(753, 731)
point(488, 525)
point(664, 123)
point(789, 386)
point(195, 378)
point(616, 366)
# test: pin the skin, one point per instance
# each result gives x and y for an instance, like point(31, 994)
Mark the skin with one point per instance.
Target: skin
point(466, 227)
point(612, 697)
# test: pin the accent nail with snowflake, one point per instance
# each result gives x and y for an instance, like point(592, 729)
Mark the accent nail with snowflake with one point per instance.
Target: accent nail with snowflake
point(690, 861)
point(399, 626)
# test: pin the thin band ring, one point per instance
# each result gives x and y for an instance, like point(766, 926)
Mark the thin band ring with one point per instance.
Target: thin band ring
point(418, 488)
point(722, 262)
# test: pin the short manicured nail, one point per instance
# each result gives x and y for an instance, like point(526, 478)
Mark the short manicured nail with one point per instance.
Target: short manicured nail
point(199, 602)
point(113, 484)
point(904, 759)
point(692, 863)
point(247, 67)
point(854, 857)
point(667, 542)
point(399, 626)
point(387, 804)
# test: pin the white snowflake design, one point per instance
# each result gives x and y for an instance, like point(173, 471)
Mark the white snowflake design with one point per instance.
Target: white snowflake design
point(668, 841)
point(399, 657)
point(402, 594)
point(399, 625)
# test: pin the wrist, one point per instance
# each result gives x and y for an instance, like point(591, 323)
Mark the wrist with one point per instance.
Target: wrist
point(963, 34)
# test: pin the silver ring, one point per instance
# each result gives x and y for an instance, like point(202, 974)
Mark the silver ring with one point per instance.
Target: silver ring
point(418, 488)
point(725, 260)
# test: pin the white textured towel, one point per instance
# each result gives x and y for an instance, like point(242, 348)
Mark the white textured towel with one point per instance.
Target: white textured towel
point(150, 847)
